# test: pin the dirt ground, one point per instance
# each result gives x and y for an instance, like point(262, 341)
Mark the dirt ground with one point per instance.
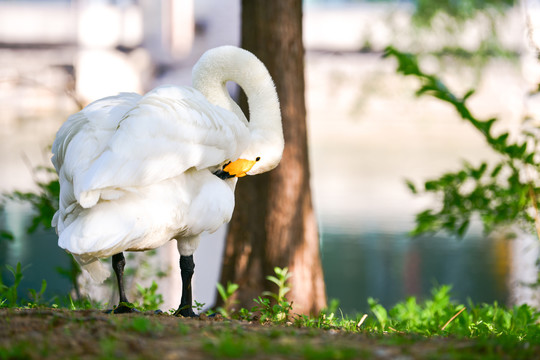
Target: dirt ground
point(92, 334)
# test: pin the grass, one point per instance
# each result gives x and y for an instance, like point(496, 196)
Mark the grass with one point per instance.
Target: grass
point(417, 329)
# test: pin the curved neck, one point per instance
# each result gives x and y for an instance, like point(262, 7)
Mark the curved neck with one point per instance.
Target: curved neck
point(228, 63)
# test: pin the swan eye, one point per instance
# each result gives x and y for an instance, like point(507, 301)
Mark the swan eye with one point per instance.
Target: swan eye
point(225, 165)
point(258, 158)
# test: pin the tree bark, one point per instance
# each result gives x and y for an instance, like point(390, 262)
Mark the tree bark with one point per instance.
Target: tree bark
point(274, 223)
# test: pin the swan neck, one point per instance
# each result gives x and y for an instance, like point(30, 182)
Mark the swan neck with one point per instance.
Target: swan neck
point(221, 65)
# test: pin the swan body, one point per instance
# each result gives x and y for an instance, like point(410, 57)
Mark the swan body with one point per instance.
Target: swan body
point(138, 171)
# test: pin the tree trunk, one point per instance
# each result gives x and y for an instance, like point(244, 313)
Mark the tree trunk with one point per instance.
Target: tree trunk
point(273, 223)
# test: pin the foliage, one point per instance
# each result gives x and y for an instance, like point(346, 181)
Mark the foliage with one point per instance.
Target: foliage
point(426, 10)
point(280, 310)
point(8, 294)
point(453, 21)
point(502, 193)
point(270, 307)
point(278, 313)
point(437, 316)
point(282, 275)
point(227, 297)
point(151, 300)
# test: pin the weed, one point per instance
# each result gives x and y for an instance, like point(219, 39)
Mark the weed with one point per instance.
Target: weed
point(227, 297)
point(198, 306)
point(282, 275)
point(379, 311)
point(8, 294)
point(36, 297)
point(279, 311)
point(272, 307)
point(151, 300)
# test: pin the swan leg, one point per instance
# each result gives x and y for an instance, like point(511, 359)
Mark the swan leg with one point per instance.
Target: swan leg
point(187, 267)
point(118, 263)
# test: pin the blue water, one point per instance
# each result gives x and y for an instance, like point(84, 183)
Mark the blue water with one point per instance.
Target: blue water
point(38, 254)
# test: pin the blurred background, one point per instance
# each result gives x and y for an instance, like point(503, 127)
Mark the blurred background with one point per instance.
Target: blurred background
point(367, 130)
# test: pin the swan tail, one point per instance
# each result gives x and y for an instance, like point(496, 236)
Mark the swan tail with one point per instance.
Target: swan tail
point(95, 268)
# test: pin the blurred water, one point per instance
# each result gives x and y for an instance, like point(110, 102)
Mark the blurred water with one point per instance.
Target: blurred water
point(37, 252)
point(390, 267)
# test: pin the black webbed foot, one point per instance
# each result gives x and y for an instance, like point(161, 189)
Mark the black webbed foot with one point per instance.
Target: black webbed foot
point(185, 311)
point(125, 308)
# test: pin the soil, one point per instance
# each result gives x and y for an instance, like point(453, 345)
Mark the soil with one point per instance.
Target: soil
point(93, 334)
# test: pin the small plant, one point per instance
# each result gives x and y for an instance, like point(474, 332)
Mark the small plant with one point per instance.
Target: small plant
point(282, 275)
point(379, 311)
point(8, 294)
point(226, 295)
point(36, 297)
point(151, 300)
point(245, 314)
point(279, 311)
point(198, 305)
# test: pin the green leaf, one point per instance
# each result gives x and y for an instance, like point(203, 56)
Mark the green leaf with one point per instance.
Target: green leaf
point(485, 126)
point(411, 186)
point(221, 291)
point(431, 185)
point(501, 140)
point(273, 279)
point(8, 235)
point(468, 94)
point(496, 170)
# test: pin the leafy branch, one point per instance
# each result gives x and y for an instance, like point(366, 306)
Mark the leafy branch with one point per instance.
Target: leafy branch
point(501, 193)
point(44, 203)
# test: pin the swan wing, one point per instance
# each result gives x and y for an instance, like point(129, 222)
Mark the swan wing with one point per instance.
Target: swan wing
point(170, 130)
point(79, 141)
point(87, 132)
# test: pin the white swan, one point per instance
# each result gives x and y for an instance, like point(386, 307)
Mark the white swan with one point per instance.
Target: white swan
point(138, 171)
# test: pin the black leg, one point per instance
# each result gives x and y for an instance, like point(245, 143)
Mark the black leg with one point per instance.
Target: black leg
point(118, 263)
point(187, 267)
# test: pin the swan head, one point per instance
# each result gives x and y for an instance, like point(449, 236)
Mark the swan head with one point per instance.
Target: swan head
point(253, 162)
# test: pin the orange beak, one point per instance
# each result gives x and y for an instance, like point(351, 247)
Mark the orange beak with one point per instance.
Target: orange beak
point(239, 167)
